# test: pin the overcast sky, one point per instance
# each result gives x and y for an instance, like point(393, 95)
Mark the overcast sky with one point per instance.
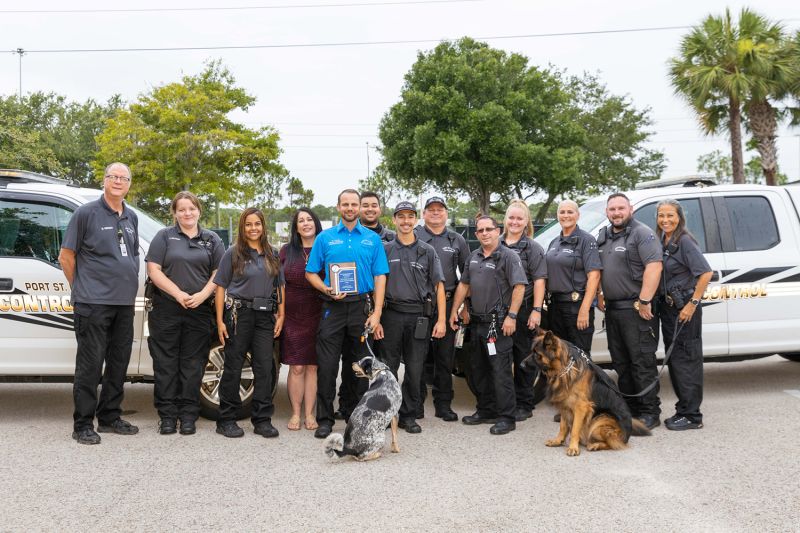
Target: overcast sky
point(326, 101)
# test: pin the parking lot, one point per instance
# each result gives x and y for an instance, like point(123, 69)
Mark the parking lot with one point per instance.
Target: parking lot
point(740, 473)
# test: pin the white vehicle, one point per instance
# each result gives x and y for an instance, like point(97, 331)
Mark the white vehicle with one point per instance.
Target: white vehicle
point(750, 235)
point(36, 325)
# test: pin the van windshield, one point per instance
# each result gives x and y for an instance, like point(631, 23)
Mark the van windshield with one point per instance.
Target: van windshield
point(592, 215)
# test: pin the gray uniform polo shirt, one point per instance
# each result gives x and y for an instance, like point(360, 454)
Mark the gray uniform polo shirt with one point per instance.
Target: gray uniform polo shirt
point(187, 262)
point(684, 265)
point(103, 275)
point(255, 282)
point(569, 259)
point(491, 279)
point(452, 250)
point(414, 272)
point(531, 255)
point(624, 255)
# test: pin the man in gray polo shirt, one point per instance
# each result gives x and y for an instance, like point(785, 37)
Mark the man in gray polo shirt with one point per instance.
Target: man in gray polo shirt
point(631, 257)
point(414, 283)
point(453, 251)
point(100, 259)
point(495, 281)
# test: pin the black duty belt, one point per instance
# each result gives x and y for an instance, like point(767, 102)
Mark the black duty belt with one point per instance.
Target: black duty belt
point(402, 307)
point(619, 305)
point(479, 318)
point(566, 297)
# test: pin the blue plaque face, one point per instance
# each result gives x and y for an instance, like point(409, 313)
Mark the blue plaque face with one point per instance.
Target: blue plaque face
point(347, 280)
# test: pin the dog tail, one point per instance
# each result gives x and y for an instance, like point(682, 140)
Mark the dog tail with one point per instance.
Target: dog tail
point(334, 445)
point(639, 429)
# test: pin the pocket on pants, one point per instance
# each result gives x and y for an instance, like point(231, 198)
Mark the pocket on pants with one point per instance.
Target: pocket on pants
point(648, 338)
point(82, 314)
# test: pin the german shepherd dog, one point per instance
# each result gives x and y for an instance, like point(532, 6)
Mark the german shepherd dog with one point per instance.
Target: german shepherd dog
point(593, 412)
point(365, 433)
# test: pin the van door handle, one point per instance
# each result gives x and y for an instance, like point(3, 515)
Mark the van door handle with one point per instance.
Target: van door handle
point(6, 284)
point(715, 275)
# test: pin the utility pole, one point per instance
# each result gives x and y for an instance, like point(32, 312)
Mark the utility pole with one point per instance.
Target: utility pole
point(367, 160)
point(21, 53)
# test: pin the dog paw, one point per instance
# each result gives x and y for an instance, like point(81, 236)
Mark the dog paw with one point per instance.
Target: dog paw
point(593, 447)
point(573, 452)
point(554, 443)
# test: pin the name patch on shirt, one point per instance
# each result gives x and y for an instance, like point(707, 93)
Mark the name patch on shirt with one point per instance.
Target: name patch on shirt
point(620, 249)
point(367, 242)
point(491, 265)
point(335, 241)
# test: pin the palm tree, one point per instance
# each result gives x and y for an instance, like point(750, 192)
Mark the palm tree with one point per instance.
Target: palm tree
point(720, 68)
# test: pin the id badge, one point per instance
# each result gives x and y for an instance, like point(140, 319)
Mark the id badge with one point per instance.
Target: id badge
point(492, 348)
point(122, 248)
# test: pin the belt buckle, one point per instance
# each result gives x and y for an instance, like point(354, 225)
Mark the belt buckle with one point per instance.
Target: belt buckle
point(636, 305)
point(574, 296)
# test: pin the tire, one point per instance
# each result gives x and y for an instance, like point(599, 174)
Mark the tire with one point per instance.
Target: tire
point(209, 388)
point(791, 356)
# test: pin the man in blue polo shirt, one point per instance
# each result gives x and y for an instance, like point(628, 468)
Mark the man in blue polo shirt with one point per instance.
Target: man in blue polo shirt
point(100, 259)
point(345, 314)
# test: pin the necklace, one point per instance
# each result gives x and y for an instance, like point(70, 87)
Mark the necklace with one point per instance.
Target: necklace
point(305, 255)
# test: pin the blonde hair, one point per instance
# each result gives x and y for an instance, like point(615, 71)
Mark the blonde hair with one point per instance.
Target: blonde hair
point(522, 205)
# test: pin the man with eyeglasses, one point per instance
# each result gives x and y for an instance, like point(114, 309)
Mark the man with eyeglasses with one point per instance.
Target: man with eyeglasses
point(100, 259)
point(495, 282)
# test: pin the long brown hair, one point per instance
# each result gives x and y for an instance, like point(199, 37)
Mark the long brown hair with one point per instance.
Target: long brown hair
point(241, 252)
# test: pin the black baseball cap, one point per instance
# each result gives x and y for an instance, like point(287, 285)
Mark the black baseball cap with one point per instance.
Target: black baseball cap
point(405, 206)
point(435, 200)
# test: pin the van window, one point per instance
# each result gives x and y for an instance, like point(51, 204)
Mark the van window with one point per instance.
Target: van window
point(753, 223)
point(691, 210)
point(32, 229)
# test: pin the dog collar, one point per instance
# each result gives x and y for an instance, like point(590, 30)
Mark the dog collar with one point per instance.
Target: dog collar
point(569, 367)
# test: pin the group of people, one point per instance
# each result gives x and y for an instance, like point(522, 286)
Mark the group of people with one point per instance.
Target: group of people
point(334, 296)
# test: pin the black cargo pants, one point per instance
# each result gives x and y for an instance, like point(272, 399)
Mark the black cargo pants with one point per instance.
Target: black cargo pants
point(105, 335)
point(686, 361)
point(399, 343)
point(492, 375)
point(563, 321)
point(632, 342)
point(441, 353)
point(179, 343)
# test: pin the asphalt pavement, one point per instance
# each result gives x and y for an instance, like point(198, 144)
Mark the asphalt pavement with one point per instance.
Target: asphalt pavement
point(741, 472)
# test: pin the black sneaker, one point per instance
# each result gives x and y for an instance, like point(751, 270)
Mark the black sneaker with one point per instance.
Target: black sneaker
point(521, 414)
point(188, 427)
point(167, 426)
point(476, 418)
point(682, 423)
point(410, 426)
point(323, 431)
point(266, 430)
point(446, 414)
point(671, 419)
point(118, 426)
point(86, 436)
point(230, 430)
point(651, 421)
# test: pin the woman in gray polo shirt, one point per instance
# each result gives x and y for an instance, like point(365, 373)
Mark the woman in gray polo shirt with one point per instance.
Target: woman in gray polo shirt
point(250, 313)
point(181, 262)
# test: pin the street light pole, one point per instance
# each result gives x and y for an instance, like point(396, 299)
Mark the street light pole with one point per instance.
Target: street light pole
point(367, 160)
point(21, 52)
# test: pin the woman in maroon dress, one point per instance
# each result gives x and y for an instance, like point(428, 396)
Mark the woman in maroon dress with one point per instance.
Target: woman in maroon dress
point(303, 311)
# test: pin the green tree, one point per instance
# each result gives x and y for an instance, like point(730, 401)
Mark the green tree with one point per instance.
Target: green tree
point(298, 194)
point(719, 165)
point(723, 66)
point(475, 120)
point(63, 133)
point(180, 137)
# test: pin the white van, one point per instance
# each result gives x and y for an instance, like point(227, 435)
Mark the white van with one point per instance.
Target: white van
point(750, 235)
point(36, 325)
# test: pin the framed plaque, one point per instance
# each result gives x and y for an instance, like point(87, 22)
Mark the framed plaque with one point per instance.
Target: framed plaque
point(343, 278)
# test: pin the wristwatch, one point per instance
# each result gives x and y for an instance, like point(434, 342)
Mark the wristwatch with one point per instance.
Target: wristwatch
point(511, 315)
point(537, 309)
point(695, 302)
point(644, 302)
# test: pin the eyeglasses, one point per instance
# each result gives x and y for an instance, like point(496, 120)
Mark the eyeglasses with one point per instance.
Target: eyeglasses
point(123, 179)
point(485, 230)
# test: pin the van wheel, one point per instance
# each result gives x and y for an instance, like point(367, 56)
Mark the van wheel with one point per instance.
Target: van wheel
point(209, 388)
point(791, 356)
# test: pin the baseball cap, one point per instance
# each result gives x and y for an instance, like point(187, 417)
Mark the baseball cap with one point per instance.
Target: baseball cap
point(405, 206)
point(435, 200)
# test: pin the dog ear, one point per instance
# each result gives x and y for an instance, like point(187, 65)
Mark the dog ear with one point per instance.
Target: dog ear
point(550, 340)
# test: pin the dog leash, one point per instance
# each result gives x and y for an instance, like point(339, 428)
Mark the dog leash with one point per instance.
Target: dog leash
point(365, 337)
